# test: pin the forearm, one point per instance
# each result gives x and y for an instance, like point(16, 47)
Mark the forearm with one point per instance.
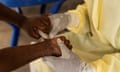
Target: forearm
point(12, 58)
point(9, 15)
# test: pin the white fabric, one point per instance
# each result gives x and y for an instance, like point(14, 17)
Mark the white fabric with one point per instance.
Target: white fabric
point(59, 22)
point(68, 62)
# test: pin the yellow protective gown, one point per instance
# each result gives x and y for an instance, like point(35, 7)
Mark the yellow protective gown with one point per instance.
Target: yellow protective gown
point(96, 39)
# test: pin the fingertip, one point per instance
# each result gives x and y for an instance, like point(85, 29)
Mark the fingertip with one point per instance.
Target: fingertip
point(70, 47)
point(36, 36)
point(62, 38)
point(67, 41)
point(57, 55)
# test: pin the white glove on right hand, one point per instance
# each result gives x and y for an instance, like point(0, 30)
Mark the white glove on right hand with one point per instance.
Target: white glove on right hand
point(59, 22)
point(62, 21)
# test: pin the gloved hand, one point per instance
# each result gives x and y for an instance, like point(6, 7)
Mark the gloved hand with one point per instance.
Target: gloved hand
point(59, 22)
point(53, 24)
point(68, 62)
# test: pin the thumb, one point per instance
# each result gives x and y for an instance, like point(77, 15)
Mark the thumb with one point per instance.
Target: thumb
point(43, 35)
point(34, 33)
point(65, 51)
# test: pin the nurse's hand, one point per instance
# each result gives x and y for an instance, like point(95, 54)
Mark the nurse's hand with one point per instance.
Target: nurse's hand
point(68, 62)
point(33, 24)
point(51, 47)
point(57, 48)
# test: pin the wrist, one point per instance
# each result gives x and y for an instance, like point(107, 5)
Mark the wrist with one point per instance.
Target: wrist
point(49, 48)
point(22, 21)
point(56, 48)
point(44, 48)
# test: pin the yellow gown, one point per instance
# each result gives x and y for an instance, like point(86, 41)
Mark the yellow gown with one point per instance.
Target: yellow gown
point(96, 39)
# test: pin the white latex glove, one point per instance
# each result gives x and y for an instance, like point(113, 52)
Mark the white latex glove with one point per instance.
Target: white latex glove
point(68, 62)
point(60, 22)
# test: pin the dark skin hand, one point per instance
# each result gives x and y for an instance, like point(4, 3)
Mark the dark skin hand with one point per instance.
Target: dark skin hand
point(13, 58)
point(30, 24)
